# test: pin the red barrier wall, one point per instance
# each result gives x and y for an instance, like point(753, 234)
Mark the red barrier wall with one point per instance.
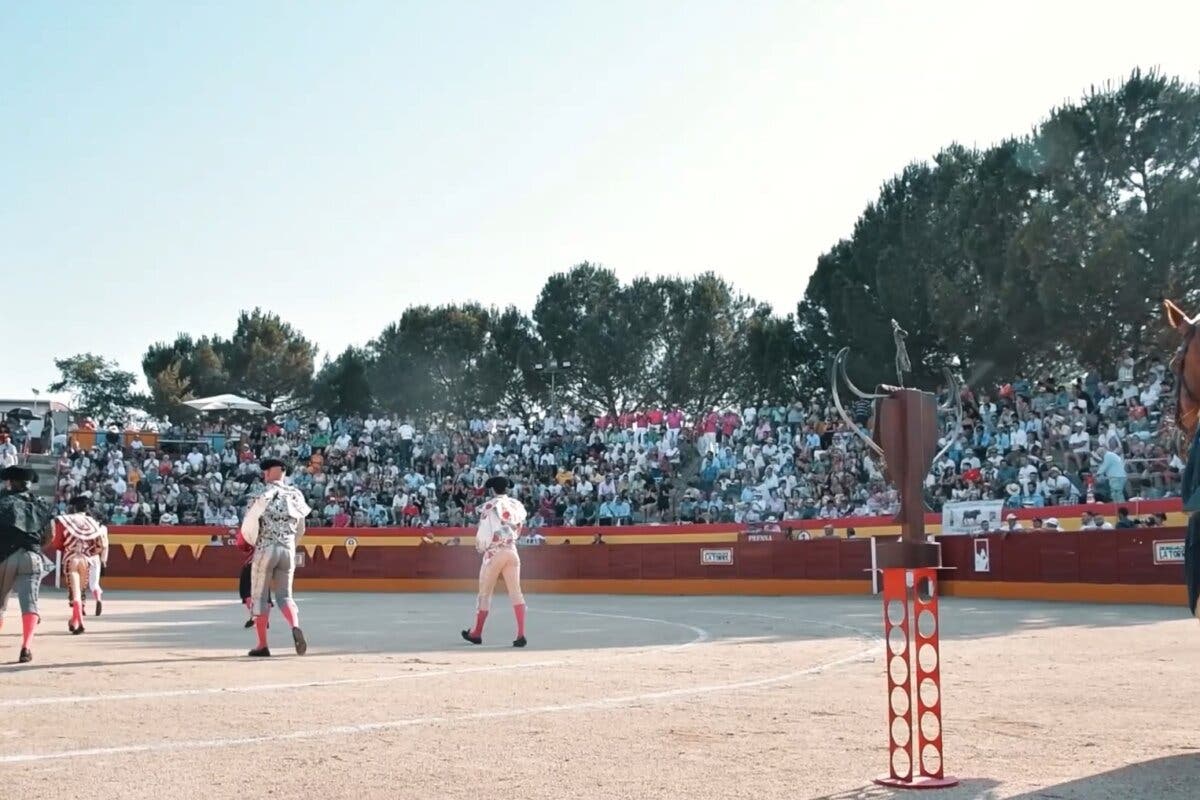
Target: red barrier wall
point(1094, 566)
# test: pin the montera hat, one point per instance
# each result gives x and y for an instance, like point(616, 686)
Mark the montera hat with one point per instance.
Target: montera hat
point(16, 473)
point(271, 463)
point(498, 484)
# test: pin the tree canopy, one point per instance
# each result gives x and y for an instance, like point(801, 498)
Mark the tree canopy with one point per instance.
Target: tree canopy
point(1045, 254)
point(98, 387)
point(1041, 255)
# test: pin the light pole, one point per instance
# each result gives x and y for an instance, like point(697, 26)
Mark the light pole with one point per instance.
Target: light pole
point(552, 368)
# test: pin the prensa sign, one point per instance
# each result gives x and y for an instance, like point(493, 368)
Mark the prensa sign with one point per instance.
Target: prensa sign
point(1168, 551)
point(720, 556)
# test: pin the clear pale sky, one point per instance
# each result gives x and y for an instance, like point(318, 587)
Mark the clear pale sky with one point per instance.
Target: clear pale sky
point(163, 165)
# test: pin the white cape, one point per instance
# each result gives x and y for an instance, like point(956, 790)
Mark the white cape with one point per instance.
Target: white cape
point(297, 506)
point(500, 517)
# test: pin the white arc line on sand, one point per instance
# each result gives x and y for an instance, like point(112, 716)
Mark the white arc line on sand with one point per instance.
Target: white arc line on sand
point(352, 730)
point(858, 631)
point(262, 687)
point(701, 635)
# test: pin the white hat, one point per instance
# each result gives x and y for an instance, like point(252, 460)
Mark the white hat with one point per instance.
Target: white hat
point(1013, 488)
point(1011, 516)
point(1052, 522)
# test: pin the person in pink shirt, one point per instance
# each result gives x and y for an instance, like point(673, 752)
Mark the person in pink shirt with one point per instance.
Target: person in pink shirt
point(654, 417)
point(641, 424)
point(674, 424)
point(730, 422)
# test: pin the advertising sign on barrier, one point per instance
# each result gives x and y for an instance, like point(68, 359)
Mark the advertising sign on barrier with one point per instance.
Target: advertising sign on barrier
point(983, 555)
point(722, 556)
point(1169, 551)
point(969, 516)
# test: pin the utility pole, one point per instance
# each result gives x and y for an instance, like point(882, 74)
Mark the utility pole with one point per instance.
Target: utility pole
point(552, 368)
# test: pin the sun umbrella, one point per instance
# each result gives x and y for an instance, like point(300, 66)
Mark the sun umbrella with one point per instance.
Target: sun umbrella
point(226, 402)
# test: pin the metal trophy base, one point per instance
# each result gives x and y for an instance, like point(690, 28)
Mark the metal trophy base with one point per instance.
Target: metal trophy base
point(919, 782)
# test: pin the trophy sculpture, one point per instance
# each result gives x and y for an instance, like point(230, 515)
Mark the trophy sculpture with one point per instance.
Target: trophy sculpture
point(904, 435)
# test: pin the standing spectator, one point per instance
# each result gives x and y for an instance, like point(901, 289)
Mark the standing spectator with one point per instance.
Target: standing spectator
point(1111, 468)
point(406, 433)
point(8, 452)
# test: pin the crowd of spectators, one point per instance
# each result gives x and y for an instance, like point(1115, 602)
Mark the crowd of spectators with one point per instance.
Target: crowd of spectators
point(1032, 444)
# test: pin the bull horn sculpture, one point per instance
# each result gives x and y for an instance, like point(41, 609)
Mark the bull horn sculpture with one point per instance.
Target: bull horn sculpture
point(956, 392)
point(839, 367)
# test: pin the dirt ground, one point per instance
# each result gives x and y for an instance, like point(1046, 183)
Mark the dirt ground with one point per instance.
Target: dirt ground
point(615, 697)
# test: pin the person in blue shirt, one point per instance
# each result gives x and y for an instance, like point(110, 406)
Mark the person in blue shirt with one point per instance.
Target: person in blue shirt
point(1030, 498)
point(379, 515)
point(622, 510)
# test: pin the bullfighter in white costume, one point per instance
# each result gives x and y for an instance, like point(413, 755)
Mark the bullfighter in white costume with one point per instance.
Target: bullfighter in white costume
point(83, 542)
point(274, 525)
point(500, 521)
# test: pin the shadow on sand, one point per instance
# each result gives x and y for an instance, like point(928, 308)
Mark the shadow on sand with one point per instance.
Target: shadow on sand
point(1168, 778)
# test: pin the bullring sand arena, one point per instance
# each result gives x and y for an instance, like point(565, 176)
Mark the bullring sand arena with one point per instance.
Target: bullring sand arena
point(616, 697)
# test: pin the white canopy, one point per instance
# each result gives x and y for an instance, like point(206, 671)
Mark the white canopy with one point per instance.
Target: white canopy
point(226, 402)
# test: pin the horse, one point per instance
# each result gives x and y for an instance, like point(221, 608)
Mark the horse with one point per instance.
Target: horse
point(1186, 366)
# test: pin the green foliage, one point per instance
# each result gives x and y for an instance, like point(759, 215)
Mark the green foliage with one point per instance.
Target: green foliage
point(183, 370)
point(267, 358)
point(98, 387)
point(1045, 253)
point(1048, 253)
point(701, 344)
point(464, 359)
point(341, 387)
point(607, 331)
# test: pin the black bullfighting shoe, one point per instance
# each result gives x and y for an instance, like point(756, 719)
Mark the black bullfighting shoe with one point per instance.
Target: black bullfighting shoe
point(260, 652)
point(472, 639)
point(519, 641)
point(25, 657)
point(301, 642)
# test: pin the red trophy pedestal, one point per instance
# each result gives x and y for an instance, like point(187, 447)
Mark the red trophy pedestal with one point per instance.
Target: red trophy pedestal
point(910, 622)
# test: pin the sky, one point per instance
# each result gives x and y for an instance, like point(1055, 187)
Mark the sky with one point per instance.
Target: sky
point(164, 165)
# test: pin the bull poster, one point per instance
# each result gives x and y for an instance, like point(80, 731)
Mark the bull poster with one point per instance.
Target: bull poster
point(983, 555)
point(970, 516)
